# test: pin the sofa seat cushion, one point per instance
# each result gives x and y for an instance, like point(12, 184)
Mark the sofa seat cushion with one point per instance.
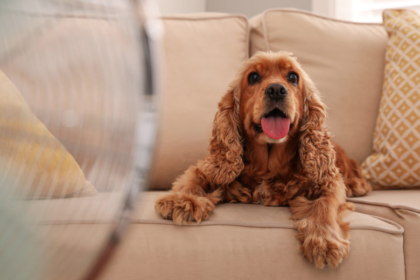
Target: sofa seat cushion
point(202, 54)
point(70, 232)
point(242, 241)
point(402, 207)
point(344, 59)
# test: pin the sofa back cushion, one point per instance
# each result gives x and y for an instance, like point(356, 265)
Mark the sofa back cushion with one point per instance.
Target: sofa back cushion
point(345, 60)
point(202, 54)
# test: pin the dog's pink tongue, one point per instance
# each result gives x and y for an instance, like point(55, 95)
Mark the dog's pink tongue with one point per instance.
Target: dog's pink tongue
point(275, 127)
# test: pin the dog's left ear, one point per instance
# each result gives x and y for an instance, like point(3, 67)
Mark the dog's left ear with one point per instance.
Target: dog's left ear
point(224, 160)
point(316, 152)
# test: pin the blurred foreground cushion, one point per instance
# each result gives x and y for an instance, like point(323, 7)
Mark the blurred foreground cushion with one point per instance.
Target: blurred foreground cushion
point(344, 59)
point(34, 164)
point(202, 54)
point(395, 162)
point(81, 74)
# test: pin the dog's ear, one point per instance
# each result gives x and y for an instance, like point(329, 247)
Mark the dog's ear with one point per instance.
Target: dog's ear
point(224, 160)
point(316, 151)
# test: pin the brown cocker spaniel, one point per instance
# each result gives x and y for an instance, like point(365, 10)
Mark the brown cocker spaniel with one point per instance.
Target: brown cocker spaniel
point(270, 146)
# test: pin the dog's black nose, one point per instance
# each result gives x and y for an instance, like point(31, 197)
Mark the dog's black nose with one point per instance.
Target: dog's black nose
point(276, 91)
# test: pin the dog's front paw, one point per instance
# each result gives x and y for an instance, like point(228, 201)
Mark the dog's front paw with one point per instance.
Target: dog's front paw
point(184, 208)
point(357, 187)
point(322, 250)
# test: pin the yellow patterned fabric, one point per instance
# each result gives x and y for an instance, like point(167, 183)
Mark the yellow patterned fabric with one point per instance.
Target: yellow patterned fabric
point(395, 162)
point(33, 163)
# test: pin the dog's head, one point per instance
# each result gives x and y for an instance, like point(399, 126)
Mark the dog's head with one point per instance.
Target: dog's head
point(271, 100)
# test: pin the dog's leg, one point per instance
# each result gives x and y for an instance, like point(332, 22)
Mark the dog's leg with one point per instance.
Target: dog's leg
point(236, 192)
point(355, 183)
point(191, 199)
point(352, 174)
point(270, 193)
point(323, 234)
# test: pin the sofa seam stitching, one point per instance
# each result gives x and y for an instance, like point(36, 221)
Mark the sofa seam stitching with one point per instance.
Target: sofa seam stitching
point(412, 209)
point(399, 231)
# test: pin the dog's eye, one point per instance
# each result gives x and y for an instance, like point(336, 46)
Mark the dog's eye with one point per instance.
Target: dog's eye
point(293, 78)
point(253, 78)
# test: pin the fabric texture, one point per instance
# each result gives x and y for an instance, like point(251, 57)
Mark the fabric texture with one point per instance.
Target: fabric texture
point(244, 241)
point(202, 55)
point(395, 162)
point(33, 162)
point(73, 229)
point(344, 59)
point(402, 207)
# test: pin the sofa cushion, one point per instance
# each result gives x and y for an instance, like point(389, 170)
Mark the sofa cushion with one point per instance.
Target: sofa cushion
point(402, 207)
point(202, 54)
point(243, 241)
point(33, 163)
point(395, 162)
point(70, 232)
point(345, 60)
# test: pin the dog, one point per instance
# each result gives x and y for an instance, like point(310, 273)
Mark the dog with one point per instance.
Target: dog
point(270, 146)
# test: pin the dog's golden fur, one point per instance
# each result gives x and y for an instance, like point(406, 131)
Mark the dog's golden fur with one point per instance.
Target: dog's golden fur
point(304, 170)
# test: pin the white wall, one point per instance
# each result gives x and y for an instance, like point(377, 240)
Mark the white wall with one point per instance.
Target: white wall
point(253, 7)
point(339, 9)
point(181, 6)
point(245, 7)
point(324, 7)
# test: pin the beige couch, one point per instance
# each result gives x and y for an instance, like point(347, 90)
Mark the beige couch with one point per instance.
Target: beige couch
point(202, 54)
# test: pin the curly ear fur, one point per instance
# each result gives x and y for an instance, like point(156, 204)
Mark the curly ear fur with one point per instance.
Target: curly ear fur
point(316, 151)
point(224, 161)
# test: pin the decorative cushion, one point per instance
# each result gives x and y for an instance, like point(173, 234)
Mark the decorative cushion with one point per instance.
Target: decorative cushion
point(81, 75)
point(32, 161)
point(202, 54)
point(345, 60)
point(395, 162)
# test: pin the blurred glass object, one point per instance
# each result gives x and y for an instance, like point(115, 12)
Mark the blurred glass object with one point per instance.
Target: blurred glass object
point(85, 69)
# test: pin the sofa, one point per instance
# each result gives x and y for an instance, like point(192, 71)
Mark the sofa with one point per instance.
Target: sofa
point(202, 53)
point(241, 241)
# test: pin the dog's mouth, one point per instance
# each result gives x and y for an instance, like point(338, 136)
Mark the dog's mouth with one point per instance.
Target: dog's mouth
point(275, 124)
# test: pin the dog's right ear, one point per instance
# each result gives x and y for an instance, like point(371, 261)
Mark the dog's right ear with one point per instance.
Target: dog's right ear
point(223, 163)
point(316, 151)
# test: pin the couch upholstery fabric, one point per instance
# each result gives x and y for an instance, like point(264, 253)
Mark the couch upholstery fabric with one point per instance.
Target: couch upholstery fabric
point(242, 241)
point(70, 232)
point(402, 207)
point(345, 60)
point(202, 55)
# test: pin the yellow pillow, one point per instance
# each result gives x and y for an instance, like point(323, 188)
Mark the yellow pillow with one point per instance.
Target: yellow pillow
point(395, 162)
point(32, 161)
